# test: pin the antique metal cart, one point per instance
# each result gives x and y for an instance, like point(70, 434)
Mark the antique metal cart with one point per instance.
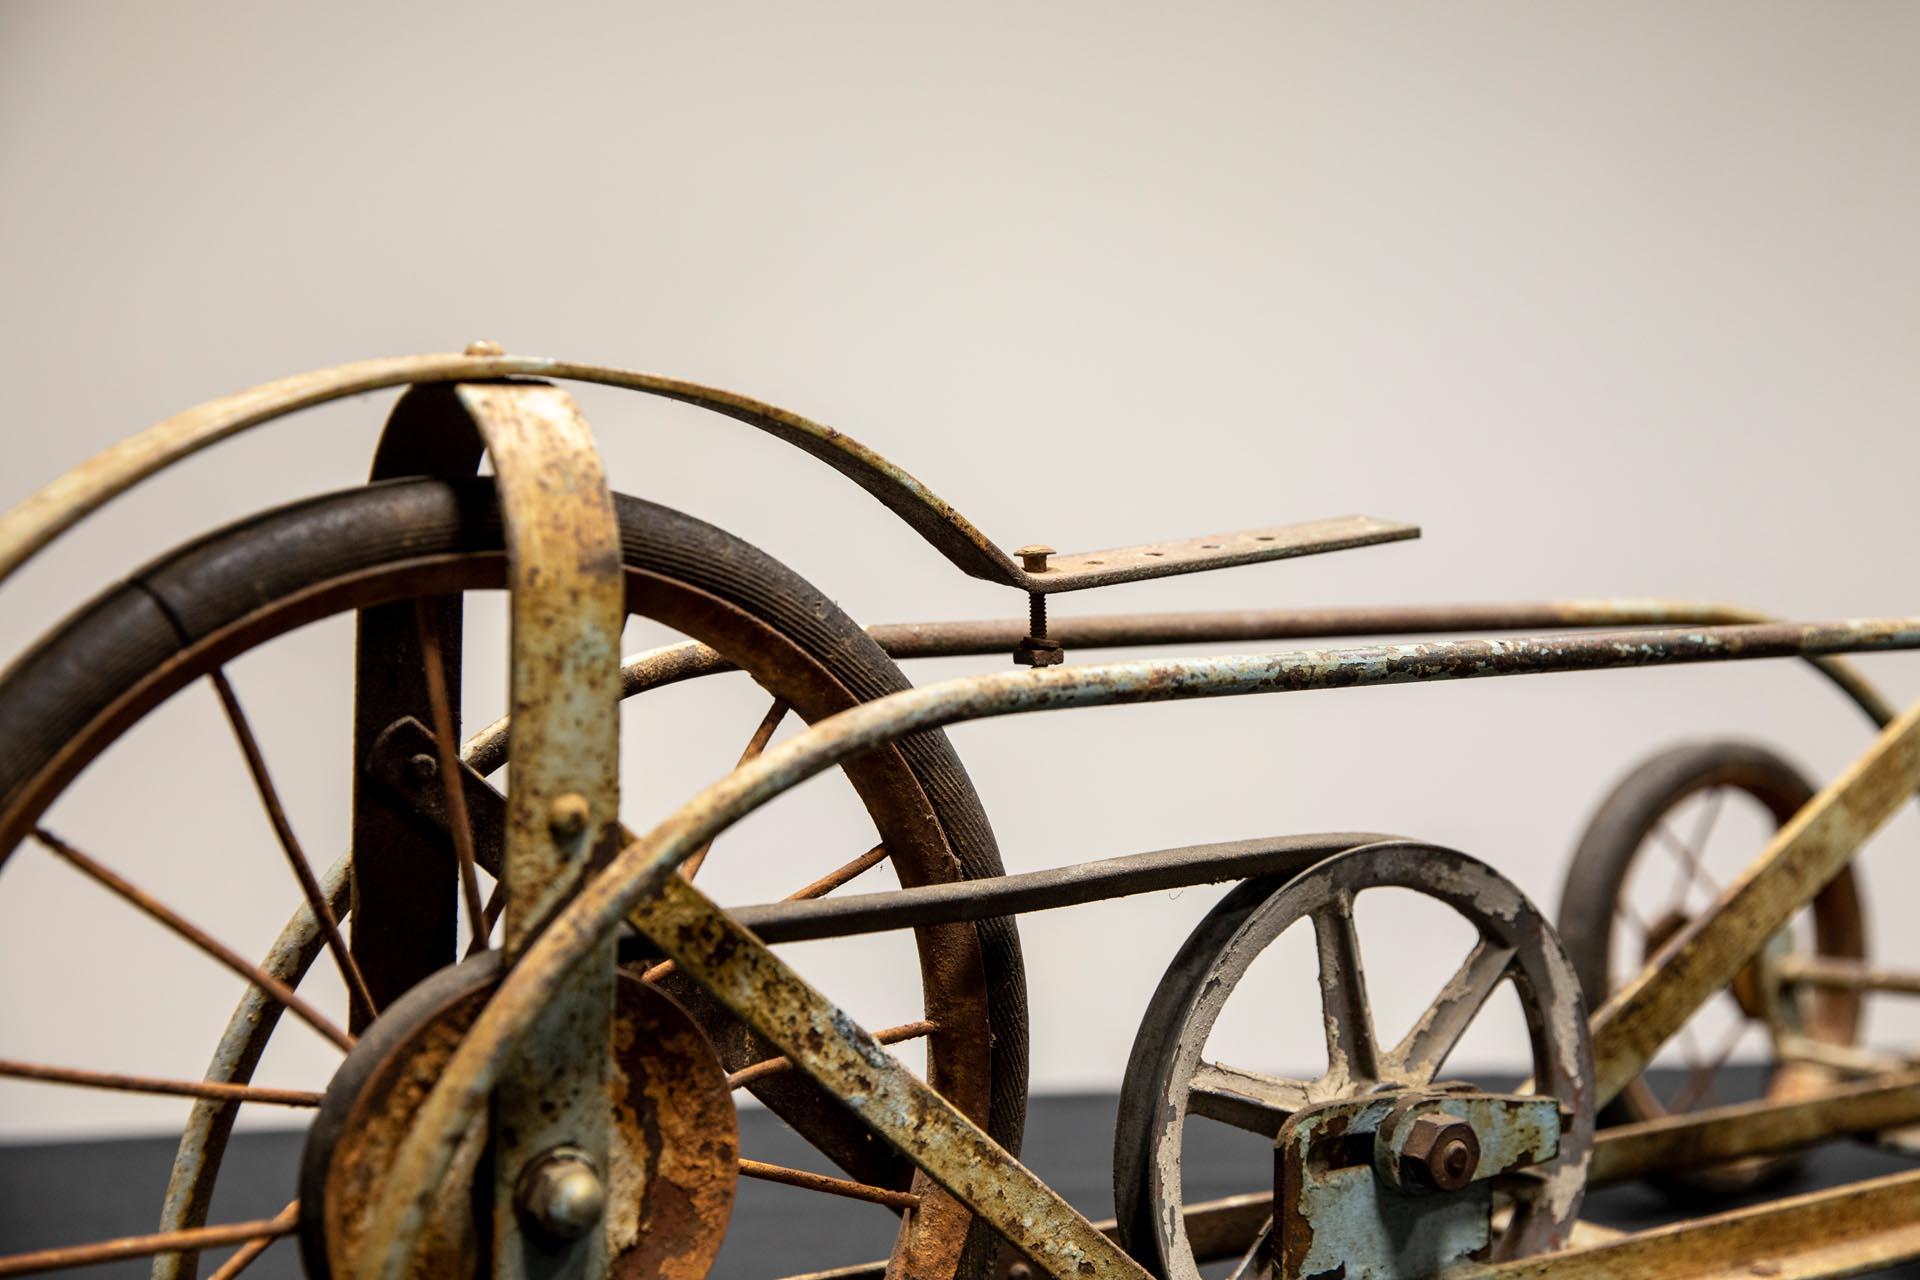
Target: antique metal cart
point(538, 1080)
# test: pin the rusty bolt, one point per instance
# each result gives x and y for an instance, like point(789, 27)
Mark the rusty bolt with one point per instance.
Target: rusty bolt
point(484, 347)
point(1034, 558)
point(1441, 1152)
point(567, 816)
point(1019, 1271)
point(561, 1196)
point(423, 768)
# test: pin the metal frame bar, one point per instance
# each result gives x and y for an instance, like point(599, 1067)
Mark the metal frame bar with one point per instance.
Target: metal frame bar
point(766, 994)
point(566, 601)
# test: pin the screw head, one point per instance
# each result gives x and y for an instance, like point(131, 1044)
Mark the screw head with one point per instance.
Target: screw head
point(1440, 1152)
point(423, 768)
point(567, 816)
point(561, 1196)
point(1033, 558)
point(484, 347)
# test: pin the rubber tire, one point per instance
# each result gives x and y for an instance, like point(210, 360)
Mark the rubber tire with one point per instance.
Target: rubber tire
point(67, 679)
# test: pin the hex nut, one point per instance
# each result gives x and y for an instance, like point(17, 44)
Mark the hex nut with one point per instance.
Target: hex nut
point(1441, 1152)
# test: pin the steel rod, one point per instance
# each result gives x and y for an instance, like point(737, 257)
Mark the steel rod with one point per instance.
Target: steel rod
point(775, 1066)
point(217, 1089)
point(1844, 975)
point(165, 915)
point(762, 735)
point(830, 1186)
point(819, 888)
point(840, 875)
point(1068, 886)
point(269, 794)
point(1842, 1231)
point(452, 785)
point(1695, 1139)
point(945, 1140)
point(86, 1255)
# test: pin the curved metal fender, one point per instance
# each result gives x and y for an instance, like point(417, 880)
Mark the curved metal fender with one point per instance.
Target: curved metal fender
point(42, 517)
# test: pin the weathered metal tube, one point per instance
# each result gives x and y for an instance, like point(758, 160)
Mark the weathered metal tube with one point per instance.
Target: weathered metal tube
point(642, 867)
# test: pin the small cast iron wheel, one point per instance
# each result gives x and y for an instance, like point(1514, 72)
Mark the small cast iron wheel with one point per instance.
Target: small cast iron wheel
point(1169, 1076)
point(1659, 821)
point(183, 618)
point(666, 1196)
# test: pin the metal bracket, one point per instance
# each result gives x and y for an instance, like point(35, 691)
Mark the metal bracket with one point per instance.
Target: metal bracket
point(567, 608)
point(1361, 1192)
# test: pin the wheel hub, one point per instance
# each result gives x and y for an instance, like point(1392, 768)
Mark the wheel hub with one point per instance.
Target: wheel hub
point(664, 1197)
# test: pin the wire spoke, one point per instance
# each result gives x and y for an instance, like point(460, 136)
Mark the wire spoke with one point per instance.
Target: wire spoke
point(755, 745)
point(1351, 1052)
point(1693, 867)
point(199, 937)
point(819, 888)
point(777, 1066)
point(831, 1186)
point(452, 780)
point(217, 1089)
point(1700, 1082)
point(1425, 1049)
point(289, 843)
point(1628, 914)
point(827, 883)
point(243, 1256)
point(195, 1238)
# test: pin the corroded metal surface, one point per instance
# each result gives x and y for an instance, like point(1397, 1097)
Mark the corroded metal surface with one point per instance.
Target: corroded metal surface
point(528, 1075)
point(567, 606)
point(1840, 1232)
point(642, 868)
point(203, 1141)
point(1707, 954)
point(55, 508)
point(1334, 1216)
point(1706, 1137)
point(1085, 569)
point(1364, 1083)
point(670, 1171)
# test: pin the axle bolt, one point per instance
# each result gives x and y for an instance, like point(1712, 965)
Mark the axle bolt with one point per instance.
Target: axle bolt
point(423, 768)
point(1034, 558)
point(567, 816)
point(1440, 1152)
point(484, 347)
point(561, 1195)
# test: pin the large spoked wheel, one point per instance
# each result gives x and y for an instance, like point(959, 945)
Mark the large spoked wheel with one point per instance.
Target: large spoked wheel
point(1659, 849)
point(1170, 1075)
point(181, 620)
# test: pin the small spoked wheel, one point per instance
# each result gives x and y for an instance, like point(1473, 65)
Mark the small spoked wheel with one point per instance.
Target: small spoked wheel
point(1171, 1075)
point(1660, 848)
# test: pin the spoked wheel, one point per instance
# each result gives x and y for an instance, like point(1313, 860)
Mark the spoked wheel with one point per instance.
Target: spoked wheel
point(1170, 1075)
point(180, 621)
point(1659, 849)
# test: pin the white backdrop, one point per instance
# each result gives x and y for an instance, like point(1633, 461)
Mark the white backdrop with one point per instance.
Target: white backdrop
point(1612, 301)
